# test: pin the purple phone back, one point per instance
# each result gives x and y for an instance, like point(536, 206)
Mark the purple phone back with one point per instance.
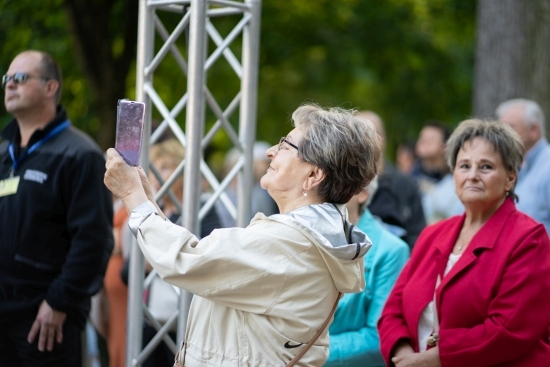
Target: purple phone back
point(130, 117)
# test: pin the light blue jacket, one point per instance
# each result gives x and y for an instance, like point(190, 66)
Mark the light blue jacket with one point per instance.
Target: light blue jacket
point(354, 338)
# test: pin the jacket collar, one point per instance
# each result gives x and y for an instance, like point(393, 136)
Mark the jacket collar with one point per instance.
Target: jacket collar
point(11, 131)
point(485, 238)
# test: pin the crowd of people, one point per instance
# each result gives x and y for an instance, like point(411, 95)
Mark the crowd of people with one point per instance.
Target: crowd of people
point(442, 259)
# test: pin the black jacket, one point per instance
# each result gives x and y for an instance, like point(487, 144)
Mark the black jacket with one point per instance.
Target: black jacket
point(398, 202)
point(56, 231)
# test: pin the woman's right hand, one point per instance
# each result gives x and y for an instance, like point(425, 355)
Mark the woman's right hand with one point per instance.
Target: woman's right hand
point(123, 181)
point(429, 358)
point(402, 348)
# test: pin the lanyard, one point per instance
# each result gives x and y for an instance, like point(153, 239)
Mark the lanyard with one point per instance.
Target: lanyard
point(36, 145)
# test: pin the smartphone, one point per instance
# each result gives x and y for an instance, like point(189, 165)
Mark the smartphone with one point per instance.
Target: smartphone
point(129, 130)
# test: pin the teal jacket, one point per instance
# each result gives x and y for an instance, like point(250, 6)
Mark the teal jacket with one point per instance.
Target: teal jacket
point(354, 338)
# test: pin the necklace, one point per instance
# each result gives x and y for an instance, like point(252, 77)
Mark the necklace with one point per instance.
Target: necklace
point(460, 246)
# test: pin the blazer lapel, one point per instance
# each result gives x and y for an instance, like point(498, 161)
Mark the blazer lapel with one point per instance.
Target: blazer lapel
point(484, 239)
point(445, 245)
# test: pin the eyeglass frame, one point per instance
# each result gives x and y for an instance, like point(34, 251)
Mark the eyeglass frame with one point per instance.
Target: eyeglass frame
point(20, 78)
point(284, 140)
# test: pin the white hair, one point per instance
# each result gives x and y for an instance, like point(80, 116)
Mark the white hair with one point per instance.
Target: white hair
point(533, 114)
point(371, 188)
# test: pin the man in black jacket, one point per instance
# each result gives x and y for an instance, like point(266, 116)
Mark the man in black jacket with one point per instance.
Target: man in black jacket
point(55, 220)
point(397, 200)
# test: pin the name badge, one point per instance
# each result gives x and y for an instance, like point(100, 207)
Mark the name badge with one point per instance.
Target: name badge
point(9, 186)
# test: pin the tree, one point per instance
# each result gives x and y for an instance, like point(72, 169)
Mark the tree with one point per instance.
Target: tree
point(409, 60)
point(512, 53)
point(95, 44)
point(105, 39)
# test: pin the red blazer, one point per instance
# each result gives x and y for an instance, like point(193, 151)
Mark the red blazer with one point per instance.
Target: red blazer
point(494, 304)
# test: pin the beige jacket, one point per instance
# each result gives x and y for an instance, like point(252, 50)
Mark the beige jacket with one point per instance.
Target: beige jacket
point(261, 292)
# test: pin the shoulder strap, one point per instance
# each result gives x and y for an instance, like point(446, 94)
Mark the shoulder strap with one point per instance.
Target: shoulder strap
point(316, 336)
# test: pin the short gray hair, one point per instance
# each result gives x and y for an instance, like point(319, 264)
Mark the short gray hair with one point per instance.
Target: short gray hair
point(345, 146)
point(533, 112)
point(501, 136)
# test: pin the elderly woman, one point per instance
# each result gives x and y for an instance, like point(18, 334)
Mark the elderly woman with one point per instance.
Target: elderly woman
point(477, 287)
point(263, 292)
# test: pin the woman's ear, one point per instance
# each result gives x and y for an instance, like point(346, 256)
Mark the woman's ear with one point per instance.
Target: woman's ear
point(510, 180)
point(316, 176)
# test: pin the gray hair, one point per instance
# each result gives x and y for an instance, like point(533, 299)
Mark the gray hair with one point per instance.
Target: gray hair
point(533, 114)
point(501, 136)
point(345, 146)
point(371, 189)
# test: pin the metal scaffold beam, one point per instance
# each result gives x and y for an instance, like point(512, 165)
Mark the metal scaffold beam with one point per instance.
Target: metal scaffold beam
point(197, 26)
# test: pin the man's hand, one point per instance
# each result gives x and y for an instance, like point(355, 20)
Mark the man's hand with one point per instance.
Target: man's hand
point(49, 323)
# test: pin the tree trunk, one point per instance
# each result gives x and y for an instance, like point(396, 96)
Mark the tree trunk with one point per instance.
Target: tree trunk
point(512, 54)
point(105, 66)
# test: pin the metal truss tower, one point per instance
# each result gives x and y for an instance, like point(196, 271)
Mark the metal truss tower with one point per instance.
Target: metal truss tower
point(196, 24)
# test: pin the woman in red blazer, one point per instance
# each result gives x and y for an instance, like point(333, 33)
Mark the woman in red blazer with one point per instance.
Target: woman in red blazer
point(487, 271)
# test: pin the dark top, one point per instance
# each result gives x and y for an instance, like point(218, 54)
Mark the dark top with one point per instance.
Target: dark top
point(398, 202)
point(56, 231)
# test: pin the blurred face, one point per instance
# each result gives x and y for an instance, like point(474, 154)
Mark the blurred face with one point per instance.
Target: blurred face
point(30, 94)
point(430, 143)
point(286, 173)
point(515, 117)
point(166, 166)
point(354, 205)
point(481, 180)
point(404, 159)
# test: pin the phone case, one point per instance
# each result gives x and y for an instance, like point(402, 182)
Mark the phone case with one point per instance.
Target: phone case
point(129, 130)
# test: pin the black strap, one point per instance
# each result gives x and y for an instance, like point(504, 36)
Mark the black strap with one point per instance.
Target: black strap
point(348, 227)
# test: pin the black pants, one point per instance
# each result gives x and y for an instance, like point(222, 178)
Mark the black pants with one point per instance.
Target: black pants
point(16, 351)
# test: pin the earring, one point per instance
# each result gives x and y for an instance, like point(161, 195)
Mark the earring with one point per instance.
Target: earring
point(507, 193)
point(305, 193)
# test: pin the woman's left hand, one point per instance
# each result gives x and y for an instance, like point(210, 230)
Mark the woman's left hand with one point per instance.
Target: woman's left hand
point(429, 358)
point(123, 181)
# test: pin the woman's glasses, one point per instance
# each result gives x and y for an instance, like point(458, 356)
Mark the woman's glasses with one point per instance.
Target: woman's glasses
point(19, 78)
point(282, 141)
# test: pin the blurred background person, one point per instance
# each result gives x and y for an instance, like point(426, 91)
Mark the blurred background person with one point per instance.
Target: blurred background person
point(430, 167)
point(533, 188)
point(261, 201)
point(405, 157)
point(397, 201)
point(477, 287)
point(116, 290)
point(354, 338)
point(56, 220)
point(431, 172)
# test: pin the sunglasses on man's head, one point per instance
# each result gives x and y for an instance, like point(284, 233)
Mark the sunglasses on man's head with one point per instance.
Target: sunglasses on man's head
point(19, 78)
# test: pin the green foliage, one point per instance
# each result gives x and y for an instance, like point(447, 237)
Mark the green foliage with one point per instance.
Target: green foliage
point(408, 60)
point(42, 25)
